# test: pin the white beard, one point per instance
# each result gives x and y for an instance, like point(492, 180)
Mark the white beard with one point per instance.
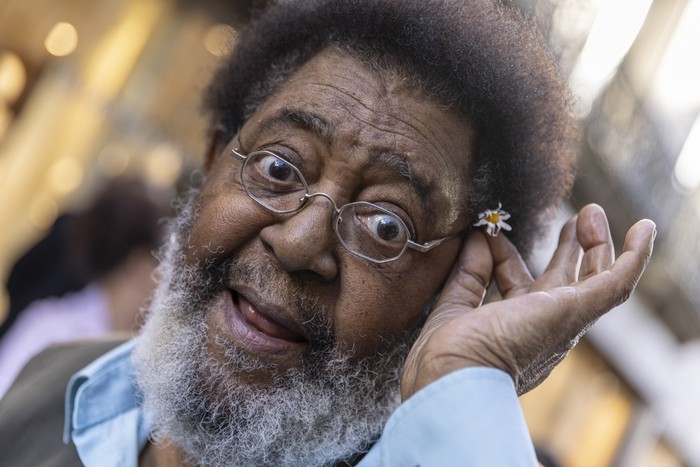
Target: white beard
point(329, 409)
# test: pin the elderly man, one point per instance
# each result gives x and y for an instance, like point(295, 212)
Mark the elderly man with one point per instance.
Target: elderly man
point(322, 295)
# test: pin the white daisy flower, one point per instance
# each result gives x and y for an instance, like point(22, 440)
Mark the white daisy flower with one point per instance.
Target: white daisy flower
point(494, 220)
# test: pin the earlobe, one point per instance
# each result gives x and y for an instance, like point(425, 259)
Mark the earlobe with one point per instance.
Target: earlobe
point(217, 141)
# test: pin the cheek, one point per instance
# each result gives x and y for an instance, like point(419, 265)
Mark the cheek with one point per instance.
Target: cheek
point(226, 218)
point(373, 309)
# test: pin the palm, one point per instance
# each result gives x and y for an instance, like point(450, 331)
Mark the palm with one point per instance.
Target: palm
point(535, 323)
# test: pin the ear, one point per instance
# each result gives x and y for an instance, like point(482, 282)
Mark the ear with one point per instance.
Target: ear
point(217, 142)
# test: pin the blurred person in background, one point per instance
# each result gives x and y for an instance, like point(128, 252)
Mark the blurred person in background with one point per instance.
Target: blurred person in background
point(108, 249)
point(47, 269)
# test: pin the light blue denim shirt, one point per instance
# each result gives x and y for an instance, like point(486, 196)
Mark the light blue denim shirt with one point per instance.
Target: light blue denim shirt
point(468, 418)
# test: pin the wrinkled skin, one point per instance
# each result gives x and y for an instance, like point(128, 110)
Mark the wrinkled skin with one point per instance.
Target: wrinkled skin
point(537, 321)
point(366, 306)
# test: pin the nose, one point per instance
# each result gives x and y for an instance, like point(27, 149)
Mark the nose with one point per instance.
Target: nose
point(304, 241)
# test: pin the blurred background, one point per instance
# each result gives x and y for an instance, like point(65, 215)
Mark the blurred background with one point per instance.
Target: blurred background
point(93, 90)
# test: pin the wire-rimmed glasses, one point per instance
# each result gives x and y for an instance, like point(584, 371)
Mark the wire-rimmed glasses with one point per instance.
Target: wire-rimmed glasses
point(364, 229)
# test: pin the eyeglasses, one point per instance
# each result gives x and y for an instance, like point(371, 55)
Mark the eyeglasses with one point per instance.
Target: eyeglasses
point(364, 229)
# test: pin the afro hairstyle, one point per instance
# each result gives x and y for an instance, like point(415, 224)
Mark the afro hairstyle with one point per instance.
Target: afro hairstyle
point(476, 56)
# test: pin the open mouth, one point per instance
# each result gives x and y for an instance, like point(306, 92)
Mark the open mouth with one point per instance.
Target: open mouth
point(261, 326)
point(264, 323)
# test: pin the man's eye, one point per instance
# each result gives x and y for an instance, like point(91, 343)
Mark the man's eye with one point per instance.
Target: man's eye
point(384, 226)
point(277, 168)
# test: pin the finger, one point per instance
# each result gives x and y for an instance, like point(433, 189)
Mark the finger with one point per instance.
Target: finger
point(470, 276)
point(563, 268)
point(569, 311)
point(610, 289)
point(594, 236)
point(510, 271)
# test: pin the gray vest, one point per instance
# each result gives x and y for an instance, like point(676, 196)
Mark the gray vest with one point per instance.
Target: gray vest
point(32, 410)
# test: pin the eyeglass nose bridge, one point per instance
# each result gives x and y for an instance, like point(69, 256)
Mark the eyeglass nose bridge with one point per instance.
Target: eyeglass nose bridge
point(308, 196)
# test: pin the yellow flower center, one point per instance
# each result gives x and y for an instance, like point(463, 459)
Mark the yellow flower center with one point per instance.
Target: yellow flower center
point(493, 218)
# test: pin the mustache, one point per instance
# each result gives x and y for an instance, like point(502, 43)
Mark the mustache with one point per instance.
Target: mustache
point(280, 287)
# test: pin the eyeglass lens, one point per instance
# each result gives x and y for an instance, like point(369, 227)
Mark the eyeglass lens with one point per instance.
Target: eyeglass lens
point(363, 228)
point(273, 182)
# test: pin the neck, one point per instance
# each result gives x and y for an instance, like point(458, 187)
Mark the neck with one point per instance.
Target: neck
point(163, 454)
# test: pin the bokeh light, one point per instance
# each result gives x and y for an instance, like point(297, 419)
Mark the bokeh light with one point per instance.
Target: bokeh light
point(219, 39)
point(13, 77)
point(65, 175)
point(62, 39)
point(163, 165)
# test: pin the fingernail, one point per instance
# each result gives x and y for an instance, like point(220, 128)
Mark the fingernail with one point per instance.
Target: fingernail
point(653, 234)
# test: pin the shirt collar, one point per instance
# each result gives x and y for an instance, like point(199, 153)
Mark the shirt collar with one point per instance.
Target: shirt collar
point(103, 397)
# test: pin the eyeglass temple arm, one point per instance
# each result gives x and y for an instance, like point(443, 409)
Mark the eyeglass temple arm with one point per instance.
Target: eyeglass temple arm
point(427, 246)
point(237, 155)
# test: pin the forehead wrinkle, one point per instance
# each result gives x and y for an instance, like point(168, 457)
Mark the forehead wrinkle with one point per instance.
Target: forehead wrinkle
point(304, 119)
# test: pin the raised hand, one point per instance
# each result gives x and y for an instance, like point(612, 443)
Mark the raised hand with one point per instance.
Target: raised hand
point(535, 323)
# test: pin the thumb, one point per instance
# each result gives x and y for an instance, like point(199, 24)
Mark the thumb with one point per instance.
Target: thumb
point(466, 285)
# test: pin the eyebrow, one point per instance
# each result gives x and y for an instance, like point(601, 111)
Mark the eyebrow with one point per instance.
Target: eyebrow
point(303, 119)
point(398, 163)
point(322, 128)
